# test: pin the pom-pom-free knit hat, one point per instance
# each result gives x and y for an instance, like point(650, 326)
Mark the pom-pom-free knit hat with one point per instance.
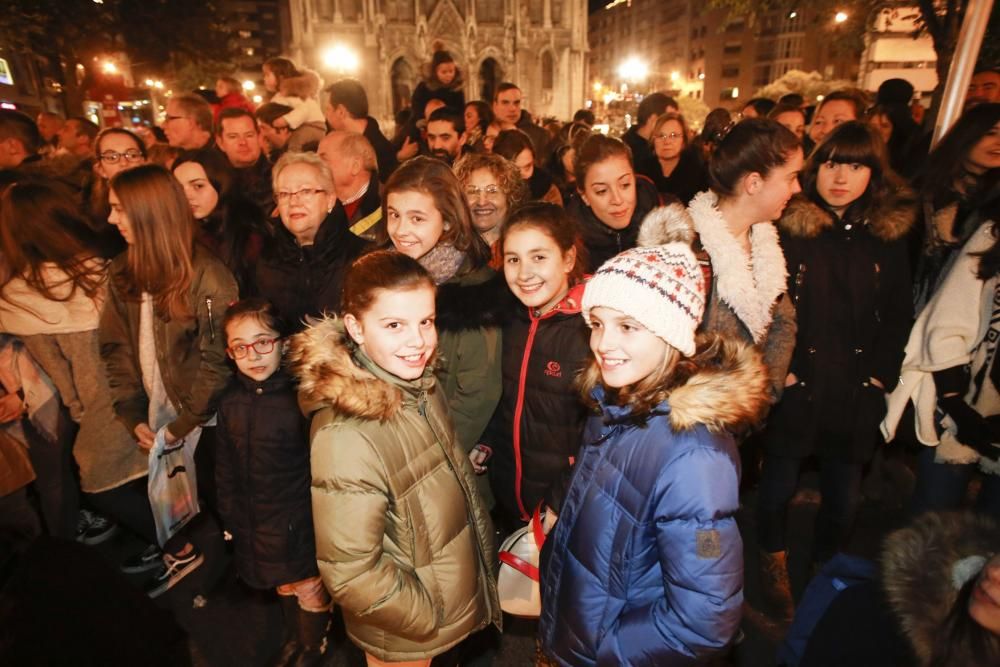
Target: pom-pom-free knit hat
point(661, 287)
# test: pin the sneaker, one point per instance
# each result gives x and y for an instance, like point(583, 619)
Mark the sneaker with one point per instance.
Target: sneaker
point(93, 528)
point(148, 559)
point(174, 569)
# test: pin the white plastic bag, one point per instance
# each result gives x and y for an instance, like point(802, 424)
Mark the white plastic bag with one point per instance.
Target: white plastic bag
point(173, 483)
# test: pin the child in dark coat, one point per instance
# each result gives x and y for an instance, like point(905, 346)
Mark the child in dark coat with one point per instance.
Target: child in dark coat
point(262, 473)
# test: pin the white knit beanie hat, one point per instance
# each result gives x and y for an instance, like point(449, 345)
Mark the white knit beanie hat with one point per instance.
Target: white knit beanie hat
point(661, 287)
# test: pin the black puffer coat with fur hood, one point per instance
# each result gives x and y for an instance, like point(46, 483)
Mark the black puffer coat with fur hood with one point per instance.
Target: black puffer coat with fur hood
point(849, 280)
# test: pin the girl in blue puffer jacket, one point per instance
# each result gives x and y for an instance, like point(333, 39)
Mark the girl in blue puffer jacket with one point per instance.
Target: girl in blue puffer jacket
point(645, 563)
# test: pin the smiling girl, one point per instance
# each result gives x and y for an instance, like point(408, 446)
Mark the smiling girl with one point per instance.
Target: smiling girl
point(428, 219)
point(645, 563)
point(611, 200)
point(535, 432)
point(403, 541)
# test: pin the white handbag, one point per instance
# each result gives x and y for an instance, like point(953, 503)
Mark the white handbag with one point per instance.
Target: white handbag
point(517, 584)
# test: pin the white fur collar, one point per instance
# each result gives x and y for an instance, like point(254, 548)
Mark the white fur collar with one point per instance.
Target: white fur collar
point(748, 285)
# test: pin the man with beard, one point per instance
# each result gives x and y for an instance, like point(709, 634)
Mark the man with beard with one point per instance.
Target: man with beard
point(445, 134)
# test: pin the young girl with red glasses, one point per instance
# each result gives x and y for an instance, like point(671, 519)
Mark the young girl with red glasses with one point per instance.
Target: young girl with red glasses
point(262, 475)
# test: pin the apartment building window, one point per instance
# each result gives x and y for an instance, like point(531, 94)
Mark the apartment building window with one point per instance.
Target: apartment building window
point(732, 48)
point(730, 71)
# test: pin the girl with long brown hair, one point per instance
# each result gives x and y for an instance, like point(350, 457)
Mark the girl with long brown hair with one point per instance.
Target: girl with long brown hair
point(428, 218)
point(160, 332)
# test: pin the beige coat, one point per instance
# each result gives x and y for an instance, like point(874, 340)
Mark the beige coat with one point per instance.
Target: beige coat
point(403, 542)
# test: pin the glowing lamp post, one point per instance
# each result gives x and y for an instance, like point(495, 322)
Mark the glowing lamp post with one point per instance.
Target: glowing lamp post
point(341, 58)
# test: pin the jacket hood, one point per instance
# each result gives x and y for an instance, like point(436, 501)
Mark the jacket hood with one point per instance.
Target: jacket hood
point(889, 222)
point(305, 85)
point(321, 358)
point(728, 390)
point(917, 570)
point(666, 224)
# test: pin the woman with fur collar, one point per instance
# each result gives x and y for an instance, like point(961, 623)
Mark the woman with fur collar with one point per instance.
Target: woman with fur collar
point(845, 241)
point(754, 172)
point(442, 80)
point(403, 541)
point(936, 602)
point(950, 375)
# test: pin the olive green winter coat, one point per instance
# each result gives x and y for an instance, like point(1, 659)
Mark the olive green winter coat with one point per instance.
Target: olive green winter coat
point(403, 542)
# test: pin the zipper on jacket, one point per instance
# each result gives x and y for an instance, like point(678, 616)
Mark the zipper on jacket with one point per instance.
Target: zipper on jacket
point(800, 279)
point(211, 323)
point(518, 412)
point(422, 404)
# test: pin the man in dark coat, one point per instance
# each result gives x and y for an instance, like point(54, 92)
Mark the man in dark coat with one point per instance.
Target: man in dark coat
point(347, 109)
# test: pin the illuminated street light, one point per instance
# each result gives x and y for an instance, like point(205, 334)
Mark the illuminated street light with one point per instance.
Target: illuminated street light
point(249, 85)
point(633, 70)
point(597, 86)
point(257, 99)
point(792, 14)
point(840, 17)
point(340, 58)
point(675, 75)
point(109, 67)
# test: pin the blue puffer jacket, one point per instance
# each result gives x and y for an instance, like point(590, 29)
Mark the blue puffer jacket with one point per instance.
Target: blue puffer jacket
point(645, 565)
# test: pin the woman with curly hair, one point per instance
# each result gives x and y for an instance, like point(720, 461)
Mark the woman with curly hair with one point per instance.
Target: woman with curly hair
point(494, 188)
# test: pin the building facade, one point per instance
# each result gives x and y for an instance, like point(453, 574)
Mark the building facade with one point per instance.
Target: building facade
point(708, 54)
point(541, 45)
point(892, 51)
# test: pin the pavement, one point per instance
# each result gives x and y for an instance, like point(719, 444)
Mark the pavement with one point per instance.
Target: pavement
point(230, 624)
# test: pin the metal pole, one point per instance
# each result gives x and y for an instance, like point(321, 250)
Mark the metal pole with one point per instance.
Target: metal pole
point(977, 16)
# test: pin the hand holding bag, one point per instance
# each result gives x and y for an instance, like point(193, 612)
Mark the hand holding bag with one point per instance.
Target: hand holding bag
point(173, 486)
point(517, 584)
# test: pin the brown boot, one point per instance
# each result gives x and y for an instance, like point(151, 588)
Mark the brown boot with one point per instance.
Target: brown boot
point(775, 584)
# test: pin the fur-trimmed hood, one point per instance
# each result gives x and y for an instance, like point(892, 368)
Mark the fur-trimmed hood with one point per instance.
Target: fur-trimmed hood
point(918, 568)
point(305, 85)
point(321, 357)
point(726, 388)
point(728, 391)
point(891, 221)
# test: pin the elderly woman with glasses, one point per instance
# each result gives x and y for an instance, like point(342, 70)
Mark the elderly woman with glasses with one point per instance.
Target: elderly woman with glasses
point(494, 188)
point(301, 270)
point(676, 169)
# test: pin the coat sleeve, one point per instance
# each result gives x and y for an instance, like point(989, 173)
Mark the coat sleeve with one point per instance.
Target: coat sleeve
point(780, 344)
point(478, 384)
point(350, 499)
point(213, 371)
point(701, 556)
point(121, 363)
point(896, 311)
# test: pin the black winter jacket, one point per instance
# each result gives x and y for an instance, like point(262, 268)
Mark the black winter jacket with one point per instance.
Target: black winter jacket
point(536, 429)
point(263, 478)
point(850, 284)
point(308, 280)
point(603, 242)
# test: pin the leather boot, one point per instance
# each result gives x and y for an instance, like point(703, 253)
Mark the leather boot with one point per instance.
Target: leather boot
point(313, 626)
point(290, 641)
point(775, 584)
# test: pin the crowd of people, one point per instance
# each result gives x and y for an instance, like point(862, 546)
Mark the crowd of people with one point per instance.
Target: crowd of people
point(394, 352)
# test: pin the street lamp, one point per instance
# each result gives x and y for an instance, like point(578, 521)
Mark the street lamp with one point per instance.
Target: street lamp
point(249, 85)
point(840, 17)
point(341, 58)
point(633, 70)
point(108, 67)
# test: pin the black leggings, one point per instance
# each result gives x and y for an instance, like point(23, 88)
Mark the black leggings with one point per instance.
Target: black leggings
point(128, 504)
